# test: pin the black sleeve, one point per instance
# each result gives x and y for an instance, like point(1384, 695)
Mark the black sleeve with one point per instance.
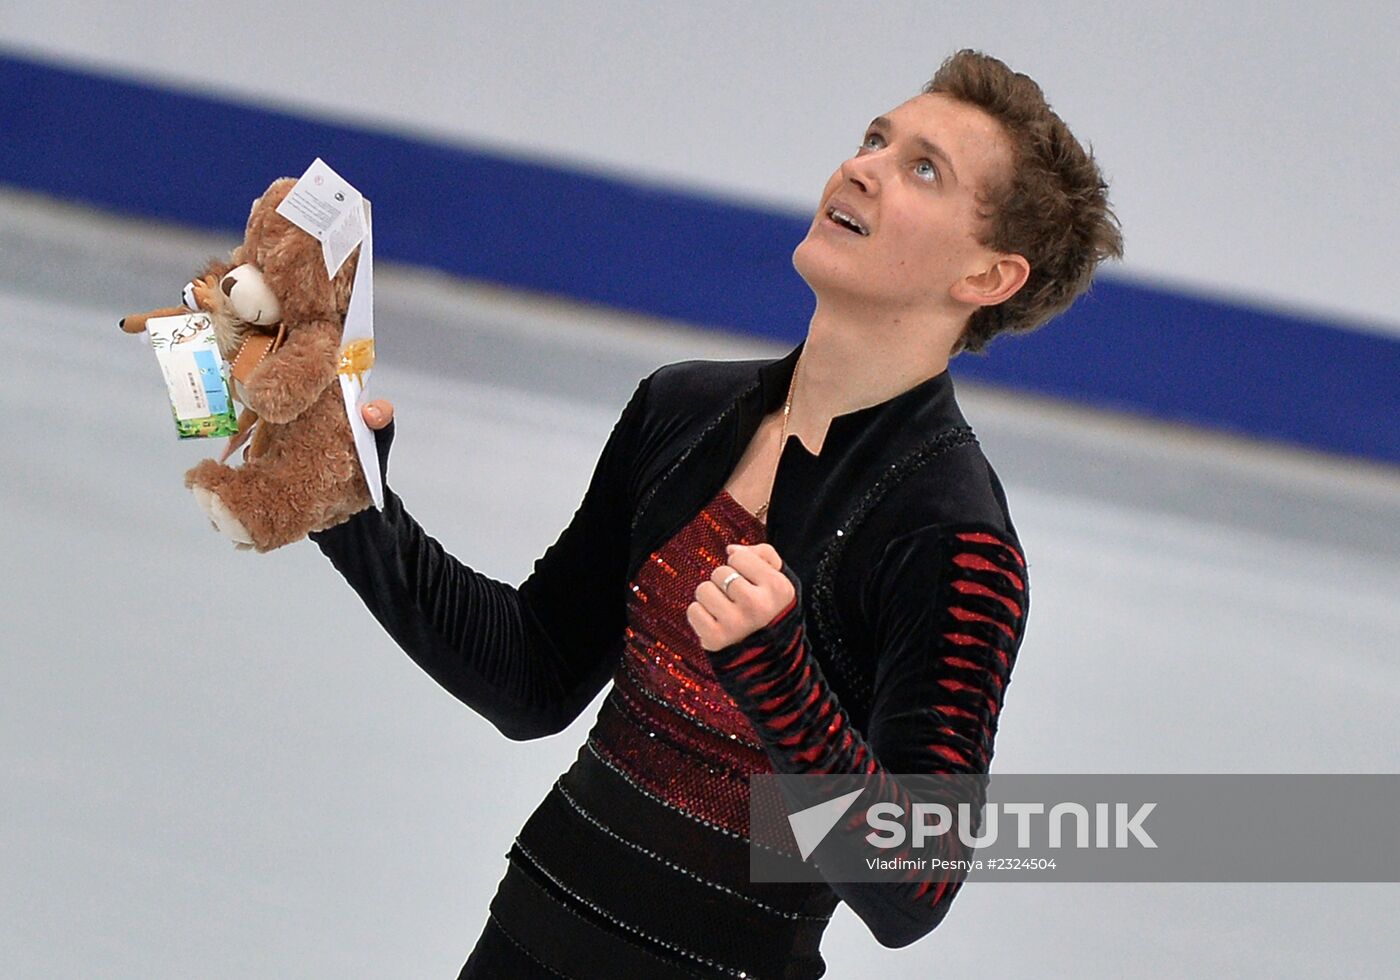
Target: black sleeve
point(950, 606)
point(528, 659)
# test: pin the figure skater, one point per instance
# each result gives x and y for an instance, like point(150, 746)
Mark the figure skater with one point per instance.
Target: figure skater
point(799, 565)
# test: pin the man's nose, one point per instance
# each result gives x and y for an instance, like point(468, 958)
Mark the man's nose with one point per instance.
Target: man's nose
point(858, 171)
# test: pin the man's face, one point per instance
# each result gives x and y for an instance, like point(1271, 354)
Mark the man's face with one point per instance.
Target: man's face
point(917, 207)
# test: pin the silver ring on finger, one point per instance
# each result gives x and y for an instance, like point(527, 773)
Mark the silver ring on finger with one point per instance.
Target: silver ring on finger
point(728, 581)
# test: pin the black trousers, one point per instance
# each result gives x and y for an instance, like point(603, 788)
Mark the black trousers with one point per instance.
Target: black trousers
point(498, 956)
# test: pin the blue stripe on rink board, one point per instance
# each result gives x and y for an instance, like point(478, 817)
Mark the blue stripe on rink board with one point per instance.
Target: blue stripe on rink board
point(189, 158)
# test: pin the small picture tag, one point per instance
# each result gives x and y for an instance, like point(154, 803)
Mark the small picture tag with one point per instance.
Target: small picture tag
point(196, 376)
point(326, 207)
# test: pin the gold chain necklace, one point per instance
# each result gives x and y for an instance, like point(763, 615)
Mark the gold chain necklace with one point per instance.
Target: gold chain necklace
point(782, 439)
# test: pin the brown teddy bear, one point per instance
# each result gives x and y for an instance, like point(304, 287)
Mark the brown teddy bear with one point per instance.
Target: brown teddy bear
point(302, 472)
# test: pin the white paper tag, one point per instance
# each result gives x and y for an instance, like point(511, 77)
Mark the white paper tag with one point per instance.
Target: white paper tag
point(357, 357)
point(326, 207)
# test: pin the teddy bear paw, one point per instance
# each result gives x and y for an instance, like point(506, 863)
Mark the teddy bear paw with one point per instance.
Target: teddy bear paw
point(202, 497)
point(222, 518)
point(201, 291)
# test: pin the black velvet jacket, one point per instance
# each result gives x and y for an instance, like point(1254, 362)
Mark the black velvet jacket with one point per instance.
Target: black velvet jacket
point(913, 593)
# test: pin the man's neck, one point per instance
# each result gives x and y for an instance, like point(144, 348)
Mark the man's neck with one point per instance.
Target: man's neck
point(851, 362)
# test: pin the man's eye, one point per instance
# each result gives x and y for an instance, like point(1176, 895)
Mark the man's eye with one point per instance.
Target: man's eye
point(931, 170)
point(868, 137)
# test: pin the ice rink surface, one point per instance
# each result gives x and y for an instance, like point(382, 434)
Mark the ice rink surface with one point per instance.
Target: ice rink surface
point(217, 765)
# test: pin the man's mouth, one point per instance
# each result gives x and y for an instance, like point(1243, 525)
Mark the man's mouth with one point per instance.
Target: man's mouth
point(846, 220)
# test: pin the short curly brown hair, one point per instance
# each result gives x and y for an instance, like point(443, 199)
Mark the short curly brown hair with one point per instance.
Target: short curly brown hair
point(1053, 209)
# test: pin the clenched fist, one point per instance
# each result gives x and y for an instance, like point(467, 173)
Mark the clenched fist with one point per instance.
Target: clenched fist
point(752, 601)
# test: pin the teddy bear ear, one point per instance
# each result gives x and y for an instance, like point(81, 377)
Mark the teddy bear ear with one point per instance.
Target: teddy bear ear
point(279, 189)
point(248, 226)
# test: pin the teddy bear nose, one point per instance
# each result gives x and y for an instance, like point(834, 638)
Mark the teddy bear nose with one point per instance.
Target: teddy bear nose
point(226, 284)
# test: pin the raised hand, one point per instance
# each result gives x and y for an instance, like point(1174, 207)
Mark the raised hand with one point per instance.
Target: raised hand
point(753, 599)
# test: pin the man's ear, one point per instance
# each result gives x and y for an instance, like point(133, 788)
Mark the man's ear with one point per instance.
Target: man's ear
point(996, 284)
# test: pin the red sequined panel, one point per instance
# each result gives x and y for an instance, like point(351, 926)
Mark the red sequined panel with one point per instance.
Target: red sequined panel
point(668, 724)
point(662, 650)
